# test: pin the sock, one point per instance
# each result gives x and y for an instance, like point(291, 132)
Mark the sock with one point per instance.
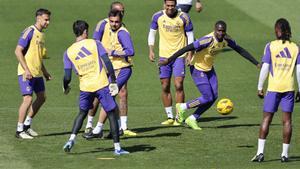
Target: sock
point(117, 146)
point(285, 149)
point(261, 146)
point(183, 106)
point(123, 122)
point(89, 123)
point(169, 112)
point(72, 137)
point(192, 117)
point(98, 128)
point(28, 121)
point(20, 127)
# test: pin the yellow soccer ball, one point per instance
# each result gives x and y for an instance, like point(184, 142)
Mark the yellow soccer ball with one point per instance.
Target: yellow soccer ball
point(225, 106)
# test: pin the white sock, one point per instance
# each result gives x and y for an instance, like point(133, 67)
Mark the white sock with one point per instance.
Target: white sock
point(183, 106)
point(192, 117)
point(89, 123)
point(72, 137)
point(123, 122)
point(20, 127)
point(261, 146)
point(98, 128)
point(28, 121)
point(169, 112)
point(117, 146)
point(285, 149)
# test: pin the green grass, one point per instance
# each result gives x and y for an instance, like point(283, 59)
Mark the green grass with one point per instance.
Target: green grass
point(225, 141)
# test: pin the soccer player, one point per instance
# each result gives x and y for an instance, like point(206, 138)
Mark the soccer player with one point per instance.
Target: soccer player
point(186, 5)
point(281, 58)
point(114, 36)
point(30, 52)
point(175, 31)
point(89, 59)
point(203, 72)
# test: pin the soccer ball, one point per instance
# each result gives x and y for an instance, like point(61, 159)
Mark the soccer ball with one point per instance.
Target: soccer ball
point(225, 106)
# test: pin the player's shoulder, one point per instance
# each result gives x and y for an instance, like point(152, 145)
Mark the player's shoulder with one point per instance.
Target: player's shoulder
point(228, 38)
point(184, 15)
point(103, 21)
point(158, 14)
point(205, 39)
point(27, 31)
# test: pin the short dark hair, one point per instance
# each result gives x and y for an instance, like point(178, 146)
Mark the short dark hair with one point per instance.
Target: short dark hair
point(172, 0)
point(285, 29)
point(79, 26)
point(115, 13)
point(42, 11)
point(221, 23)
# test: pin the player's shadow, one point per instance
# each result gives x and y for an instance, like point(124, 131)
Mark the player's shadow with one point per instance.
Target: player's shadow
point(58, 134)
point(131, 149)
point(154, 135)
point(221, 118)
point(146, 129)
point(241, 125)
point(291, 159)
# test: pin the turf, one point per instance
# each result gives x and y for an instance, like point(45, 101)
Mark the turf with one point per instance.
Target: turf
point(225, 141)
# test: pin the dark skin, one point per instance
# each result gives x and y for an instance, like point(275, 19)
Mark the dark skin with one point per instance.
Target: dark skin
point(268, 116)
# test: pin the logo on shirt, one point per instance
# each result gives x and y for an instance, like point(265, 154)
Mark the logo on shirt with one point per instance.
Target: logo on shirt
point(285, 53)
point(83, 53)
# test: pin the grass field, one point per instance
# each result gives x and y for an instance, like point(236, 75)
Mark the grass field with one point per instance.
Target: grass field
point(225, 141)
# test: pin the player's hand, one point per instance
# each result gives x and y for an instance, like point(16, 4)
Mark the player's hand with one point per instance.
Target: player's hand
point(28, 75)
point(109, 51)
point(260, 94)
point(258, 66)
point(297, 97)
point(66, 90)
point(151, 56)
point(163, 62)
point(113, 89)
point(188, 59)
point(47, 76)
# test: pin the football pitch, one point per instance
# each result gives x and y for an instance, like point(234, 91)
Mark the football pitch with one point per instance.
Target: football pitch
point(226, 142)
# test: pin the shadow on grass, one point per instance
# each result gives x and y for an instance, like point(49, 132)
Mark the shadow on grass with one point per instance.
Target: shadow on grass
point(242, 125)
point(291, 159)
point(221, 118)
point(146, 129)
point(154, 135)
point(58, 134)
point(131, 149)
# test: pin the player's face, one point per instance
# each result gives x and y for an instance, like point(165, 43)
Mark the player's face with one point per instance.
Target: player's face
point(278, 32)
point(43, 20)
point(115, 22)
point(119, 7)
point(170, 8)
point(220, 32)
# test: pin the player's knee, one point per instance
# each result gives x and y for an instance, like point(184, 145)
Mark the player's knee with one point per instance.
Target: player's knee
point(209, 98)
point(27, 99)
point(179, 87)
point(165, 88)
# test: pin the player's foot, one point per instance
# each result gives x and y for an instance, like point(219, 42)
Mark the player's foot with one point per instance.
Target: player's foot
point(68, 146)
point(176, 123)
point(120, 152)
point(170, 121)
point(181, 113)
point(91, 135)
point(129, 133)
point(30, 131)
point(258, 158)
point(88, 130)
point(284, 159)
point(109, 136)
point(23, 135)
point(192, 123)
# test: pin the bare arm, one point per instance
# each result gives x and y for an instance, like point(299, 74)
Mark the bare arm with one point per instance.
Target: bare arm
point(45, 73)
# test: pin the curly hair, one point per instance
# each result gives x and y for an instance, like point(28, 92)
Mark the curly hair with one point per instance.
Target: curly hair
point(283, 25)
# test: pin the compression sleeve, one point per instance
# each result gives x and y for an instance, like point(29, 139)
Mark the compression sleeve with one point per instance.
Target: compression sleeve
point(263, 75)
